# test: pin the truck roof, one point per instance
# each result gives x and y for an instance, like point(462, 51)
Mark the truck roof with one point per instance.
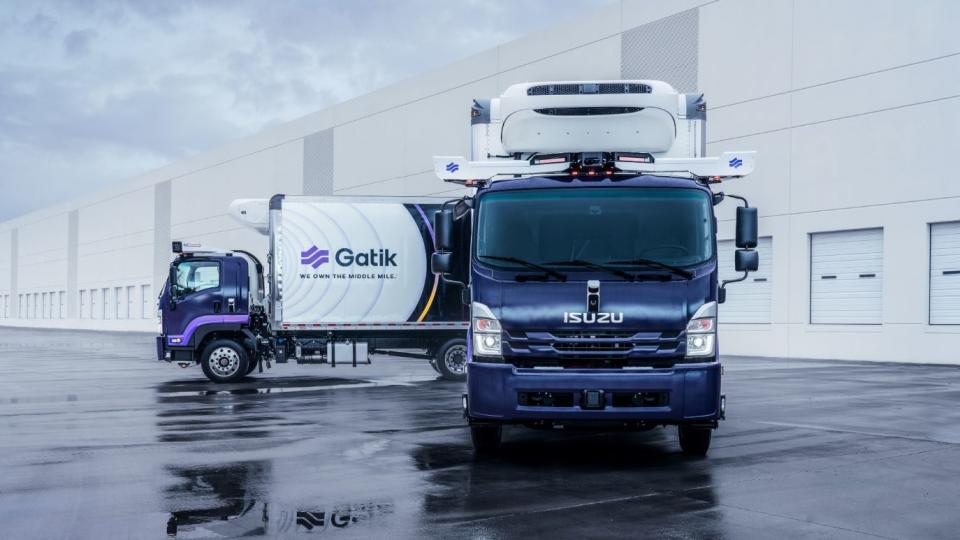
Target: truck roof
point(537, 182)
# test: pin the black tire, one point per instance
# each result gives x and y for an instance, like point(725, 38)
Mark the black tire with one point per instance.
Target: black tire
point(252, 367)
point(486, 437)
point(694, 441)
point(224, 361)
point(451, 359)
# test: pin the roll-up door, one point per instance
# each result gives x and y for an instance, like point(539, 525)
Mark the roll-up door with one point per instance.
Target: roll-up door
point(747, 301)
point(945, 273)
point(846, 277)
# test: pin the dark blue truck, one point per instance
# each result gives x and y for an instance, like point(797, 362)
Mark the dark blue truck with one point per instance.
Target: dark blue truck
point(588, 253)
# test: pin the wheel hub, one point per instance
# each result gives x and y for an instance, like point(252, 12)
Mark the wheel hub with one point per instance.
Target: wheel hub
point(224, 361)
point(456, 359)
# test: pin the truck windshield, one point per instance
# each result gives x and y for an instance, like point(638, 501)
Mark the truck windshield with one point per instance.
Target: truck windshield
point(606, 226)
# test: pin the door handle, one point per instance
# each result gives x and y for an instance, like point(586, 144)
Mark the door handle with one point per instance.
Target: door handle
point(216, 306)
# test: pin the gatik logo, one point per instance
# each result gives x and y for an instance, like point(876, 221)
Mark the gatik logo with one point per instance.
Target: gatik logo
point(346, 257)
point(603, 317)
point(314, 256)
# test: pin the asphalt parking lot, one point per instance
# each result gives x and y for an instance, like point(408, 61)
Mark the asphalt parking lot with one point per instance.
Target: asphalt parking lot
point(100, 441)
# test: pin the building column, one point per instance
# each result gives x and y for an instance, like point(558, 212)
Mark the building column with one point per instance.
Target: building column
point(14, 263)
point(73, 236)
point(318, 163)
point(161, 234)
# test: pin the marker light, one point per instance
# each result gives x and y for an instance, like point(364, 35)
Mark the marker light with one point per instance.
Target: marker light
point(485, 325)
point(700, 325)
point(552, 158)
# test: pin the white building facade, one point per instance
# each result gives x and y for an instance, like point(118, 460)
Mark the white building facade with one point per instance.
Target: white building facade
point(854, 106)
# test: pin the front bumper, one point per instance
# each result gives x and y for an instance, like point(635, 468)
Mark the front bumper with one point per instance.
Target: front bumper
point(693, 393)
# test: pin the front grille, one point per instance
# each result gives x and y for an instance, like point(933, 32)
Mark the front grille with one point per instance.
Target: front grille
point(592, 334)
point(568, 89)
point(593, 346)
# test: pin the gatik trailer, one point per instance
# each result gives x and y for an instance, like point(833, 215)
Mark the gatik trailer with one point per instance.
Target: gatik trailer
point(345, 278)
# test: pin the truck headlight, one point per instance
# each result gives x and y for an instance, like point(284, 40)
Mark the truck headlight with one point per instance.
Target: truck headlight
point(486, 331)
point(702, 331)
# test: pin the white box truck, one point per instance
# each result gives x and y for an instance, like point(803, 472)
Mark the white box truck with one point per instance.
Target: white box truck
point(345, 278)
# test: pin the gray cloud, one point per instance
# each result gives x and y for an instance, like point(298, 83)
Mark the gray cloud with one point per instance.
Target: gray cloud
point(76, 44)
point(95, 92)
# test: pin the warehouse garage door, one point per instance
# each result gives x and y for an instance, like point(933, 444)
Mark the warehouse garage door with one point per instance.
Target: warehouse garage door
point(846, 277)
point(747, 301)
point(945, 273)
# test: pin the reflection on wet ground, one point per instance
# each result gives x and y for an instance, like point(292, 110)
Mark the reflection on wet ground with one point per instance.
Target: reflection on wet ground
point(115, 445)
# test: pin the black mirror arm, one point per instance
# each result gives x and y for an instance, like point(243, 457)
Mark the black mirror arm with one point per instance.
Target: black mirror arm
point(722, 294)
point(463, 286)
point(746, 204)
point(724, 283)
point(466, 199)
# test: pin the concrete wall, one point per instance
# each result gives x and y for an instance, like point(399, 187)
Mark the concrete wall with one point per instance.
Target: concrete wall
point(853, 106)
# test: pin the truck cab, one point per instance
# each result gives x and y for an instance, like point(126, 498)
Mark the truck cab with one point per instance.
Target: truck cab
point(592, 278)
point(212, 312)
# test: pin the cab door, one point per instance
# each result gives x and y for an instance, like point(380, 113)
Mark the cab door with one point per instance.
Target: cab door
point(197, 292)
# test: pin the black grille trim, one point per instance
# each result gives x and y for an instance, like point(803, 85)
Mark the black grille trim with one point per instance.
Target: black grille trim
point(568, 89)
point(587, 111)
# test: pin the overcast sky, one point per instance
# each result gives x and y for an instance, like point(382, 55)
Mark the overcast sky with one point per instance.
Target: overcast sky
point(96, 92)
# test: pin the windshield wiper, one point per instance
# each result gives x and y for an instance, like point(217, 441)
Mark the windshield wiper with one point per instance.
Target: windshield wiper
point(548, 271)
point(650, 263)
point(596, 266)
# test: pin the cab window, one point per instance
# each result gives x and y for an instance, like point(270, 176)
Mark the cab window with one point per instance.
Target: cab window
point(196, 276)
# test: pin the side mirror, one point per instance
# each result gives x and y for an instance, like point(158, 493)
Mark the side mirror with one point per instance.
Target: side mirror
point(746, 227)
point(443, 228)
point(172, 282)
point(441, 262)
point(746, 260)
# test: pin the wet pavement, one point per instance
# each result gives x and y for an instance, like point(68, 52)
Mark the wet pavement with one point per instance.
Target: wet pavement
point(97, 440)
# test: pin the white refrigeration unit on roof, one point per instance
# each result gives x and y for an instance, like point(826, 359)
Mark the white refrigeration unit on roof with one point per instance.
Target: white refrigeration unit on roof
point(545, 128)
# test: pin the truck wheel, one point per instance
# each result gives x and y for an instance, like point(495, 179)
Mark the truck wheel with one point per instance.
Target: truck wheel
point(486, 437)
point(452, 360)
point(694, 441)
point(252, 367)
point(224, 361)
